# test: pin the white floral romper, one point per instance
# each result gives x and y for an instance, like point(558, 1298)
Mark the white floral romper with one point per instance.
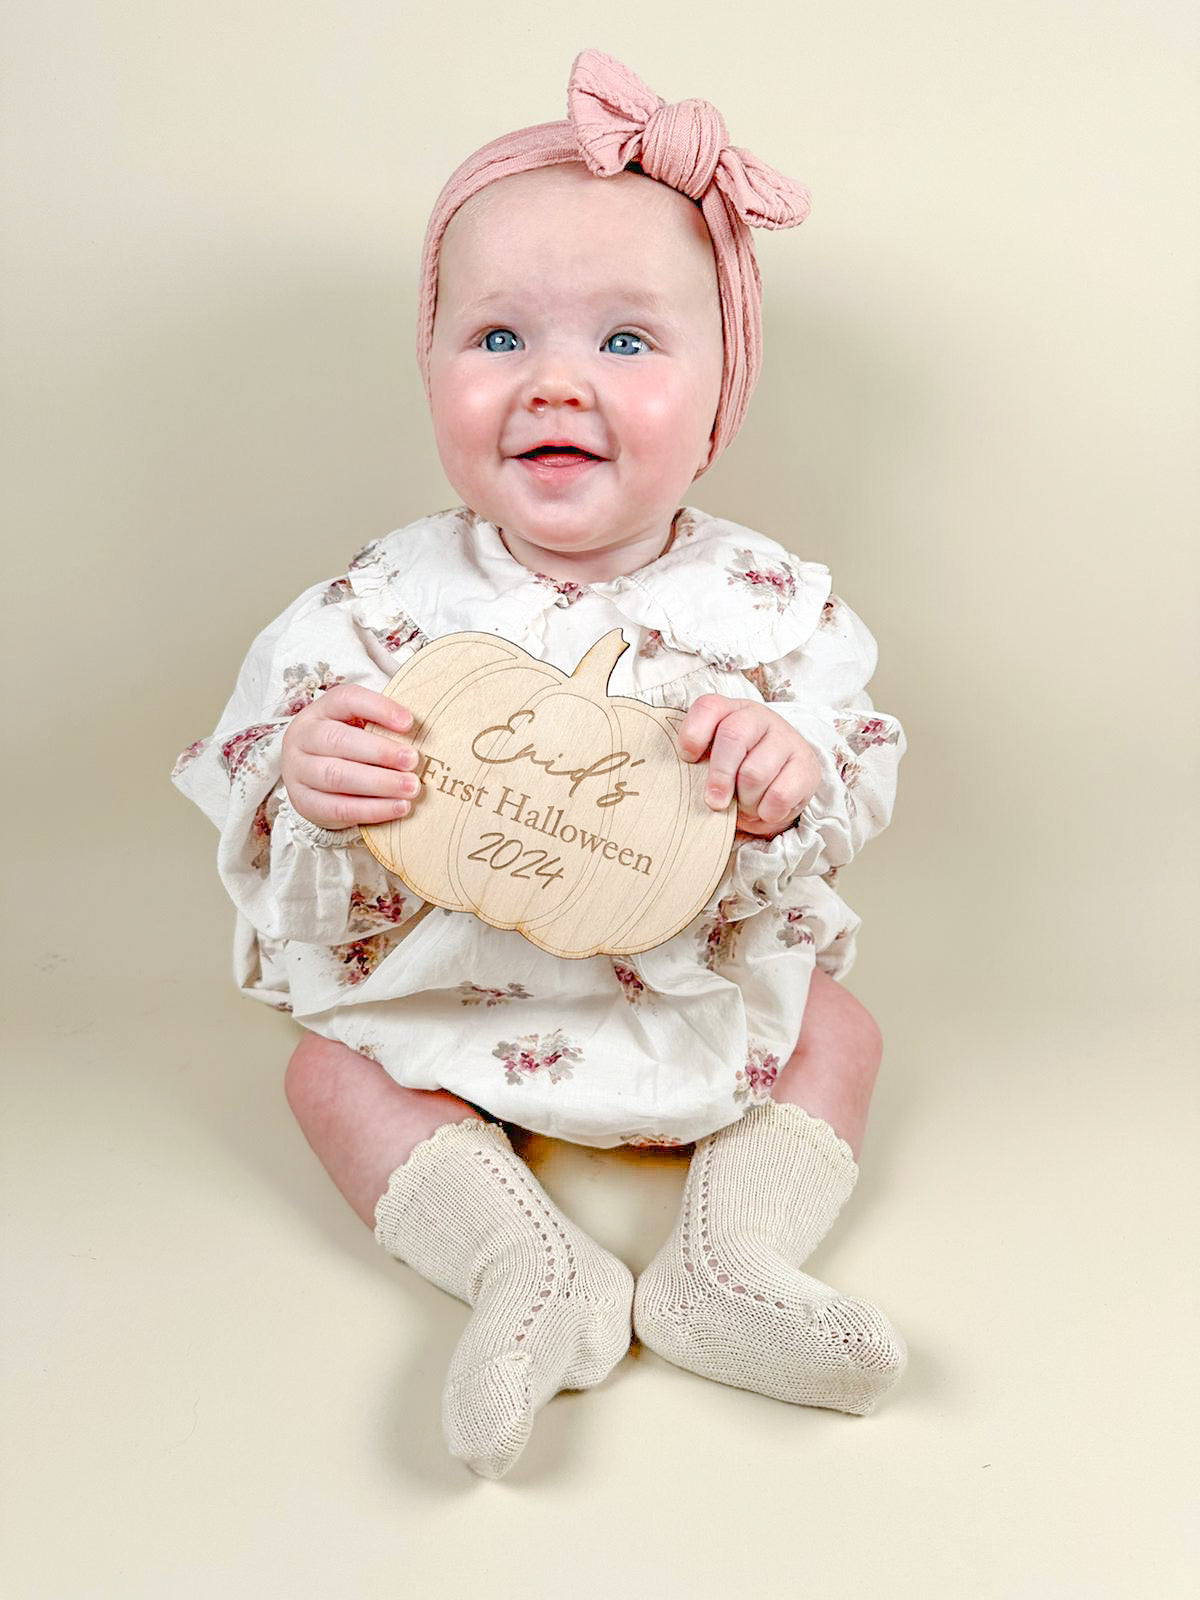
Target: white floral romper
point(654, 1049)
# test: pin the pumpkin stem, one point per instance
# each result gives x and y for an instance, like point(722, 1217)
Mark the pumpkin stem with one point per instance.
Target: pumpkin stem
point(595, 668)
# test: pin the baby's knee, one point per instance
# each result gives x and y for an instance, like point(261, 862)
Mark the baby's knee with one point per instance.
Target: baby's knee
point(313, 1070)
point(842, 1014)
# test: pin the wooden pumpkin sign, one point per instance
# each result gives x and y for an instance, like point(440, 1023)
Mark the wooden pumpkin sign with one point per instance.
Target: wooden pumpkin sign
point(546, 806)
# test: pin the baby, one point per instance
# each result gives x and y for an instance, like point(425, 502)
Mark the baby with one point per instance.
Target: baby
point(589, 337)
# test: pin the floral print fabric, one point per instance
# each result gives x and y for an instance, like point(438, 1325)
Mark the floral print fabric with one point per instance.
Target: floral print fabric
point(659, 1048)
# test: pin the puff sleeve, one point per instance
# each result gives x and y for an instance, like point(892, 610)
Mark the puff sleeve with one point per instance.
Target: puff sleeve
point(288, 878)
point(820, 689)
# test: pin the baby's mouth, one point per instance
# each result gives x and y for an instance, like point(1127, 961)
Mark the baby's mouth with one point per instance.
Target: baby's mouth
point(556, 454)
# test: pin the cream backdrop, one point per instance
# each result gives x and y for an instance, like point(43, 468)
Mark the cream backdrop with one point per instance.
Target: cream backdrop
point(979, 407)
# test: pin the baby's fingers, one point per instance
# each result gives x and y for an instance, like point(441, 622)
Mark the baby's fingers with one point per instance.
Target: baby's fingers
point(785, 798)
point(346, 742)
point(335, 775)
point(738, 734)
point(344, 810)
point(356, 705)
point(700, 723)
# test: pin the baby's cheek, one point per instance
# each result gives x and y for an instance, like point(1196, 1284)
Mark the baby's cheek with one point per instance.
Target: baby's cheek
point(464, 409)
point(665, 421)
point(465, 414)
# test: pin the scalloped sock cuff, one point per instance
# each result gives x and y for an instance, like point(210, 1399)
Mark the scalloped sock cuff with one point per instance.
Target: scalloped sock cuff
point(552, 1308)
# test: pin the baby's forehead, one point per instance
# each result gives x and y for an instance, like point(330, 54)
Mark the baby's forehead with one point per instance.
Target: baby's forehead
point(627, 223)
point(566, 195)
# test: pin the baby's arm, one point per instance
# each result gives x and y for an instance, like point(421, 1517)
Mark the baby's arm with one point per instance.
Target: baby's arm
point(293, 867)
point(841, 770)
point(820, 690)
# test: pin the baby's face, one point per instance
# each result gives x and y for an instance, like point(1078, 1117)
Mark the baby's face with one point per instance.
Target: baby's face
point(579, 311)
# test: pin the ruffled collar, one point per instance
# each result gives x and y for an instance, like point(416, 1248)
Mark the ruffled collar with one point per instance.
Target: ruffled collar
point(720, 591)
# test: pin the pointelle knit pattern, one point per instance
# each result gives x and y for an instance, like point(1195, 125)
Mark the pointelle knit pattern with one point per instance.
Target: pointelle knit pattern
point(552, 1307)
point(724, 1297)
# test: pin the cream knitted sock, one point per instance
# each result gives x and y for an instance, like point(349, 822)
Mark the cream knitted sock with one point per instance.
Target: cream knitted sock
point(552, 1307)
point(724, 1298)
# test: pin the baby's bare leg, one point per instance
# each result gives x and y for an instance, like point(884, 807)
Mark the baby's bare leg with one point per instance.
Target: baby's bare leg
point(360, 1123)
point(832, 1071)
point(447, 1194)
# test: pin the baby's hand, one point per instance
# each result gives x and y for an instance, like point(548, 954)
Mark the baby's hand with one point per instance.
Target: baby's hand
point(338, 775)
point(773, 771)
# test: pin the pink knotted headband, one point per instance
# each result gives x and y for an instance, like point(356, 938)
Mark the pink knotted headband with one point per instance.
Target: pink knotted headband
point(613, 120)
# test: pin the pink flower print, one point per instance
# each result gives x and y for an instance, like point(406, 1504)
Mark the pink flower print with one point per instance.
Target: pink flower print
point(793, 931)
point(361, 956)
point(367, 910)
point(861, 733)
point(528, 1055)
point(238, 751)
point(757, 1078)
point(651, 644)
point(365, 1048)
point(718, 936)
point(718, 663)
point(260, 837)
point(186, 757)
point(302, 684)
point(829, 612)
point(647, 1141)
point(472, 994)
point(403, 631)
point(566, 592)
point(283, 1005)
point(772, 686)
point(849, 772)
point(685, 523)
point(340, 589)
point(632, 986)
point(773, 585)
point(365, 556)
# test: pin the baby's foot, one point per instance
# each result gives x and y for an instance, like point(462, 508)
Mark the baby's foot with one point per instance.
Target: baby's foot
point(746, 1318)
point(551, 1306)
point(552, 1312)
point(725, 1297)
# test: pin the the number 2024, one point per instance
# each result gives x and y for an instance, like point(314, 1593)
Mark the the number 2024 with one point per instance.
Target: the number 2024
point(501, 845)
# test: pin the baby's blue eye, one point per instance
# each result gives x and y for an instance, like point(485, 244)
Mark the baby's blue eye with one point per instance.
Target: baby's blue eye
point(622, 344)
point(502, 340)
point(500, 334)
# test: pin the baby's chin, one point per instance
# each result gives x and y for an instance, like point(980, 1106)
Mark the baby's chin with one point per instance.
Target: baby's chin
point(590, 554)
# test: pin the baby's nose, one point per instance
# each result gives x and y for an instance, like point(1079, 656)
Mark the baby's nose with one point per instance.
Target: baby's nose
point(541, 401)
point(556, 384)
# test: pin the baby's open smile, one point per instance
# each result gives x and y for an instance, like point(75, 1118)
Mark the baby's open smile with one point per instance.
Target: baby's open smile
point(559, 461)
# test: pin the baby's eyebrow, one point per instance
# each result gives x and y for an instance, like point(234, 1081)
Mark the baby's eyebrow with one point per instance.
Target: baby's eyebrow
point(624, 297)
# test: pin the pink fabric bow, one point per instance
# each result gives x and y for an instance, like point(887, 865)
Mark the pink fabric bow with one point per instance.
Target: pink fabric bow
point(617, 119)
point(614, 119)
